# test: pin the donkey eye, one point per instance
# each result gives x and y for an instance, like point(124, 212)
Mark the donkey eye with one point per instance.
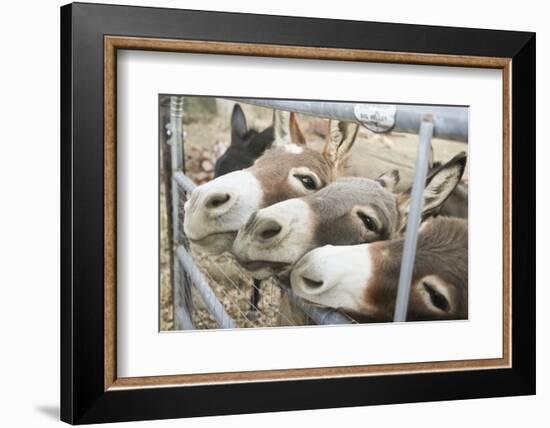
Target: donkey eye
point(369, 223)
point(307, 181)
point(438, 299)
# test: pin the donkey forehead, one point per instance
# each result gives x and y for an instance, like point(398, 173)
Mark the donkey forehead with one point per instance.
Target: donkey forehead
point(345, 193)
point(279, 160)
point(341, 196)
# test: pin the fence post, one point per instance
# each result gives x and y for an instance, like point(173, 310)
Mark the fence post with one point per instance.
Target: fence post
point(181, 290)
point(413, 221)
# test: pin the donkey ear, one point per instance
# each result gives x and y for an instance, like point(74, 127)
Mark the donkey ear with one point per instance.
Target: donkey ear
point(238, 124)
point(281, 128)
point(439, 185)
point(296, 135)
point(339, 142)
point(442, 181)
point(389, 180)
point(261, 142)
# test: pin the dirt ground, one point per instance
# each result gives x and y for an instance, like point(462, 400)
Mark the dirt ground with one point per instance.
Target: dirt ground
point(207, 134)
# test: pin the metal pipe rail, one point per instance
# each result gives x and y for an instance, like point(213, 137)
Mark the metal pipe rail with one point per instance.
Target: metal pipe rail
point(413, 220)
point(319, 315)
point(184, 182)
point(449, 122)
point(181, 291)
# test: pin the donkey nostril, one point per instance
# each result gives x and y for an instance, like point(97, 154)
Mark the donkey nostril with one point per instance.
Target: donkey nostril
point(269, 230)
point(217, 200)
point(311, 283)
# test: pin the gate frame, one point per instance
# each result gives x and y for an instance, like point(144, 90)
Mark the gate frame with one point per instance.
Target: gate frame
point(450, 123)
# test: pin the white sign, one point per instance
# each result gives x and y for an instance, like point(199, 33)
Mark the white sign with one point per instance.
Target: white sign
point(376, 117)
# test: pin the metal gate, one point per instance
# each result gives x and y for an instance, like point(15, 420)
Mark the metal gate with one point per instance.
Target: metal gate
point(188, 280)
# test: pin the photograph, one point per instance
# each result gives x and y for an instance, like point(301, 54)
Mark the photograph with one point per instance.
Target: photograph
point(289, 212)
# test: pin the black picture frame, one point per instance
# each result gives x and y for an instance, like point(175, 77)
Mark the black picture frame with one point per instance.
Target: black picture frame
point(83, 396)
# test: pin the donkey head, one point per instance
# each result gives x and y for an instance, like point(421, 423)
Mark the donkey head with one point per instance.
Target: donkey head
point(347, 212)
point(246, 145)
point(216, 210)
point(363, 279)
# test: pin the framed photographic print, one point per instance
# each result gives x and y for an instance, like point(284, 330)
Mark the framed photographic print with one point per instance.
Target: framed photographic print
point(256, 208)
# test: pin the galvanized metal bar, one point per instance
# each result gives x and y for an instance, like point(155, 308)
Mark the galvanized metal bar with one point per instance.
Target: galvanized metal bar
point(166, 155)
point(181, 291)
point(413, 221)
point(181, 318)
point(208, 296)
point(176, 145)
point(319, 315)
point(184, 182)
point(449, 122)
point(183, 315)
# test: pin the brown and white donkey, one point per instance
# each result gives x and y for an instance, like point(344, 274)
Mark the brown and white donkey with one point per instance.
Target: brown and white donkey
point(362, 279)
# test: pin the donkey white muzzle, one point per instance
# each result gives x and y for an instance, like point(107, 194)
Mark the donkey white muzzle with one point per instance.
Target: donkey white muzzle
point(334, 276)
point(275, 237)
point(216, 210)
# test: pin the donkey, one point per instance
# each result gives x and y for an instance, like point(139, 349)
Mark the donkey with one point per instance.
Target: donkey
point(347, 212)
point(289, 169)
point(362, 279)
point(246, 146)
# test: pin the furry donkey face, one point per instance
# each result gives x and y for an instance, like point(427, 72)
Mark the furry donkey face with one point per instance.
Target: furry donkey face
point(216, 210)
point(363, 279)
point(347, 212)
